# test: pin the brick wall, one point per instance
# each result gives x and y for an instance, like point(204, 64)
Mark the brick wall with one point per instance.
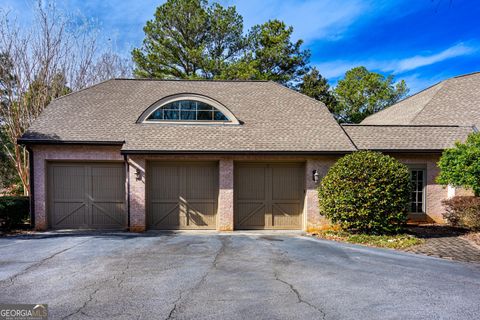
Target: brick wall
point(43, 154)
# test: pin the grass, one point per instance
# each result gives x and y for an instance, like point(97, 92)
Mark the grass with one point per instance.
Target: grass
point(396, 241)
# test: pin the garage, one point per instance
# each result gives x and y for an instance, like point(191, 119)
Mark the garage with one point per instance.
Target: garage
point(86, 195)
point(269, 195)
point(182, 195)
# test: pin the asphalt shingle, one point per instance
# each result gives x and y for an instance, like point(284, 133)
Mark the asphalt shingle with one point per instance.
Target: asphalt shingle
point(406, 138)
point(455, 101)
point(274, 119)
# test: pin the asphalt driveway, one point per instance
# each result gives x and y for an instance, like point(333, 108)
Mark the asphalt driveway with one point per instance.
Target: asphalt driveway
point(230, 276)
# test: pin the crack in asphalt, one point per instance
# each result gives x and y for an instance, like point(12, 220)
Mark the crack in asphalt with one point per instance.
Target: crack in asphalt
point(285, 259)
point(80, 310)
point(202, 280)
point(299, 296)
point(13, 278)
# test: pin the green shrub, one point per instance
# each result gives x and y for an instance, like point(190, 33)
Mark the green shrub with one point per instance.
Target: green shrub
point(14, 211)
point(367, 192)
point(460, 166)
point(463, 212)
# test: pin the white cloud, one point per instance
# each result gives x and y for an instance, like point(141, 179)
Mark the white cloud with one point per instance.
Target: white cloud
point(335, 69)
point(311, 19)
point(425, 60)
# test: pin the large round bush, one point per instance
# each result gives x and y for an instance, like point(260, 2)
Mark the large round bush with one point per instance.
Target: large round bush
point(367, 192)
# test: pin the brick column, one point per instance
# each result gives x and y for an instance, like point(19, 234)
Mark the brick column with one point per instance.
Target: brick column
point(225, 196)
point(40, 193)
point(314, 221)
point(137, 194)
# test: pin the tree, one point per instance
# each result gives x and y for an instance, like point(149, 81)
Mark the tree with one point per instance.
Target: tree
point(190, 39)
point(273, 55)
point(316, 86)
point(56, 55)
point(362, 93)
point(460, 166)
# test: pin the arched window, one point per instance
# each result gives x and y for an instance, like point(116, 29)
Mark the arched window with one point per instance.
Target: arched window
point(187, 110)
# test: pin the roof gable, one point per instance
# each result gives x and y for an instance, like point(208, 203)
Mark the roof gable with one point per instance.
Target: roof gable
point(455, 101)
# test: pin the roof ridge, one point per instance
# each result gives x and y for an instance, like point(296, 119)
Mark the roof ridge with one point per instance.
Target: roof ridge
point(406, 125)
point(426, 105)
point(465, 75)
point(83, 89)
point(318, 102)
point(408, 98)
point(185, 80)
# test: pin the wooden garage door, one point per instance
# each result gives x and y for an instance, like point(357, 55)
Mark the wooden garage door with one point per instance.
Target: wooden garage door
point(182, 195)
point(268, 196)
point(86, 195)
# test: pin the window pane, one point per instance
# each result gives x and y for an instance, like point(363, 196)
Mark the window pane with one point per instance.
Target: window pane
point(420, 175)
point(188, 110)
point(220, 116)
point(171, 115)
point(204, 107)
point(172, 105)
point(414, 175)
point(188, 115)
point(157, 115)
point(419, 185)
point(205, 115)
point(189, 105)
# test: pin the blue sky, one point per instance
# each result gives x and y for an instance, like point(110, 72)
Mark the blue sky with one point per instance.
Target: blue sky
point(421, 41)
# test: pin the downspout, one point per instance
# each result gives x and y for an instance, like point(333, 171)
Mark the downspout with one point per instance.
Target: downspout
point(127, 169)
point(31, 184)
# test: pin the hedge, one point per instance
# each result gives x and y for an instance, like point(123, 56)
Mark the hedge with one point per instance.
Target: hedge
point(14, 211)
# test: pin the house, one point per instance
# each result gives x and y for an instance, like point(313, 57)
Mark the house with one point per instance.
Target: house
point(224, 155)
point(417, 129)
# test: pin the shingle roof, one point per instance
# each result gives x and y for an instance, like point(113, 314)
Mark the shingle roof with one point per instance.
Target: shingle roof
point(455, 101)
point(406, 138)
point(274, 119)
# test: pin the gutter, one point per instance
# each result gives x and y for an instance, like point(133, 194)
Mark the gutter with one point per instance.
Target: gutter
point(32, 188)
point(127, 172)
point(220, 152)
point(68, 142)
point(407, 150)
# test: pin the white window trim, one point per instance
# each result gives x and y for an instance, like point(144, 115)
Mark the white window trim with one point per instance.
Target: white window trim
point(422, 167)
point(232, 120)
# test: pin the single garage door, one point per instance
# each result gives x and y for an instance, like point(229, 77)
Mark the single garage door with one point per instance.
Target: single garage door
point(182, 195)
point(86, 195)
point(269, 196)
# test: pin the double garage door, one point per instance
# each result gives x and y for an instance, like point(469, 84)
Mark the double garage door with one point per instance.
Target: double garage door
point(179, 195)
point(86, 195)
point(184, 195)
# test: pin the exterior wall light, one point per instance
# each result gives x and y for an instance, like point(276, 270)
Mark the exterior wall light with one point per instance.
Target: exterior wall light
point(315, 176)
point(138, 174)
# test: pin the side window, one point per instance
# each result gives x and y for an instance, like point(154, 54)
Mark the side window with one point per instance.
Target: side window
point(418, 178)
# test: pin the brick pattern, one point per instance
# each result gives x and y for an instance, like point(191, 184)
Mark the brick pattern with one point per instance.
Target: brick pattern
point(313, 220)
point(225, 195)
point(451, 247)
point(137, 193)
point(435, 193)
point(43, 154)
